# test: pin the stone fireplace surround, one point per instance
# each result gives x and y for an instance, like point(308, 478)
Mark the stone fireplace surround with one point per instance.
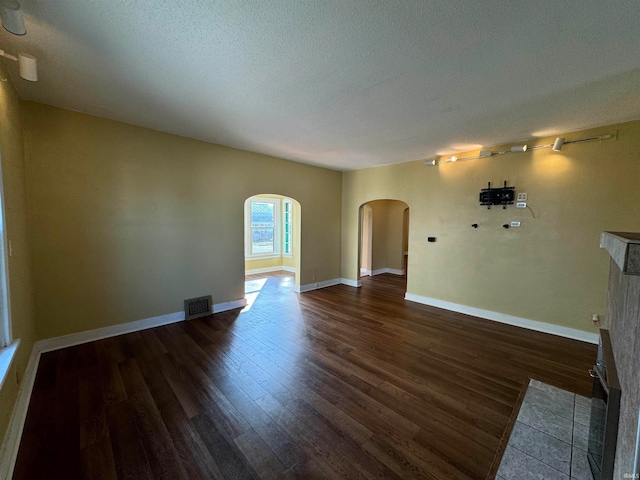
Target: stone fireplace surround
point(623, 322)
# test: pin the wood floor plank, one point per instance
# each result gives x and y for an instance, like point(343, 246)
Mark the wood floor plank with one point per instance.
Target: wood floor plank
point(336, 383)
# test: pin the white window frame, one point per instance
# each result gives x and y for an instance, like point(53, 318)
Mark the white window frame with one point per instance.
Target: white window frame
point(277, 238)
point(8, 347)
point(5, 307)
point(286, 202)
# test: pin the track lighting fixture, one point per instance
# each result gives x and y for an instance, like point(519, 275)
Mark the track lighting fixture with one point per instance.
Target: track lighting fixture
point(27, 65)
point(555, 146)
point(11, 17)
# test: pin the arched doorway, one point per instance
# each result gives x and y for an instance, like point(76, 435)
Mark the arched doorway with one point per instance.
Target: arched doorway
point(272, 234)
point(383, 243)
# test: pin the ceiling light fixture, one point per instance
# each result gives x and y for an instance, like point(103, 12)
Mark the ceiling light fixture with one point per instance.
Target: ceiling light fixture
point(11, 17)
point(555, 146)
point(27, 65)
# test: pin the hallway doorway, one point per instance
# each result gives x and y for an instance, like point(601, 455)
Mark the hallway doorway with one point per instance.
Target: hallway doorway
point(384, 238)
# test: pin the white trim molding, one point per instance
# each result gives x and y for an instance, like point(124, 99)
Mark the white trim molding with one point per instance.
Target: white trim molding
point(223, 307)
point(393, 271)
point(65, 341)
point(351, 283)
point(508, 319)
point(11, 443)
point(255, 271)
point(317, 285)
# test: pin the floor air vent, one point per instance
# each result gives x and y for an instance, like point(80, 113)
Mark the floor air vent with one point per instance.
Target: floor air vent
point(197, 307)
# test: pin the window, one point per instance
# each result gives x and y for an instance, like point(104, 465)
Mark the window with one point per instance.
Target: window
point(286, 228)
point(5, 324)
point(263, 220)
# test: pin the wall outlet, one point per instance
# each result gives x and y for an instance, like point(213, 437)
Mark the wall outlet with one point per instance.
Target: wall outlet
point(521, 205)
point(522, 197)
point(595, 319)
point(515, 224)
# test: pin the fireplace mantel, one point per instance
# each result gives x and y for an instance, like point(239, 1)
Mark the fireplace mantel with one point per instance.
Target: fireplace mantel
point(624, 249)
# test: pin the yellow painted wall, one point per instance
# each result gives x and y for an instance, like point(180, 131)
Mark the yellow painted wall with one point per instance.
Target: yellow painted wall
point(395, 211)
point(20, 284)
point(379, 235)
point(387, 234)
point(551, 269)
point(263, 263)
point(127, 222)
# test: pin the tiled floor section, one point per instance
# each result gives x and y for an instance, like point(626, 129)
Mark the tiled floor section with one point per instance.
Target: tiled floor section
point(549, 438)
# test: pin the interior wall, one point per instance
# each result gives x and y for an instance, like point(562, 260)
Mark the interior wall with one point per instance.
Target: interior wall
point(379, 220)
point(551, 269)
point(127, 222)
point(19, 265)
point(366, 235)
point(395, 232)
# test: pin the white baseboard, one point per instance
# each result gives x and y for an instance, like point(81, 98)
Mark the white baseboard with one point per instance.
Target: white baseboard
point(393, 271)
point(316, 286)
point(256, 271)
point(65, 341)
point(11, 443)
point(508, 319)
point(365, 272)
point(223, 307)
point(351, 283)
point(10, 446)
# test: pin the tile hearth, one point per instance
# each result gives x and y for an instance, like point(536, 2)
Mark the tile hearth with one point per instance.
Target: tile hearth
point(549, 438)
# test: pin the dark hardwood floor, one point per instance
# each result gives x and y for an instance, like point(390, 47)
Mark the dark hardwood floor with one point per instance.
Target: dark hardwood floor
point(335, 383)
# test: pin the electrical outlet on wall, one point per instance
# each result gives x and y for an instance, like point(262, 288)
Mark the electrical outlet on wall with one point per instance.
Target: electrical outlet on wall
point(522, 197)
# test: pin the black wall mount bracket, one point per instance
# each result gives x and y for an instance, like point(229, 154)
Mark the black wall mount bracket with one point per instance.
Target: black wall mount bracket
point(497, 196)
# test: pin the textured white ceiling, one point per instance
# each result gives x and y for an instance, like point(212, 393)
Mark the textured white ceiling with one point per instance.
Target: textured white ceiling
point(344, 84)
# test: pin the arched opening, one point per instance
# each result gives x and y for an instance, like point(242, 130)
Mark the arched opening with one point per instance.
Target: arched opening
point(383, 243)
point(272, 237)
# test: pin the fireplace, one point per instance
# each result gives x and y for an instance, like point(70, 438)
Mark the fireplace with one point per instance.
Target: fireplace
point(605, 411)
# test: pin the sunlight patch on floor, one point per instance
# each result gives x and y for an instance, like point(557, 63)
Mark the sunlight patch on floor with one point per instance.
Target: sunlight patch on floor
point(252, 290)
